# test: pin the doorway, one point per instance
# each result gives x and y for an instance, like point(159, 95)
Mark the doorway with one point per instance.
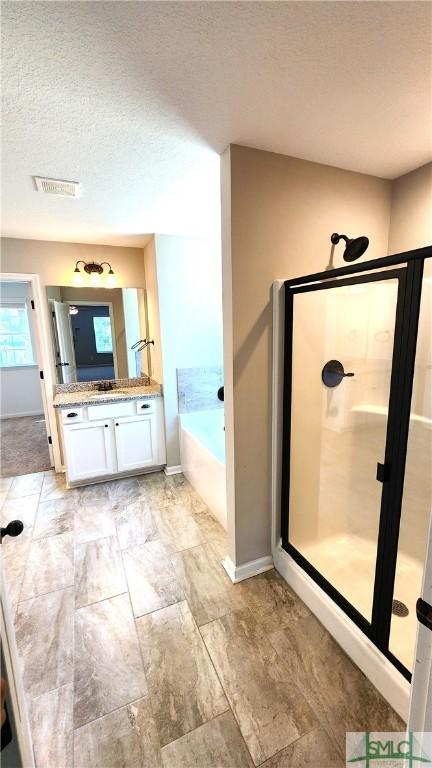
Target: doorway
point(23, 431)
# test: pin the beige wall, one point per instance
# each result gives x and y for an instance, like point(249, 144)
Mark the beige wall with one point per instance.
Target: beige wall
point(54, 262)
point(283, 211)
point(411, 211)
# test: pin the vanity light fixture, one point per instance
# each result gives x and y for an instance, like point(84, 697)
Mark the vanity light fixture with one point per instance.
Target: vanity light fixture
point(111, 280)
point(95, 271)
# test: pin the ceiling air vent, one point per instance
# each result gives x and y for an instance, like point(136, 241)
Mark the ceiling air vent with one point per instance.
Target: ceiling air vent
point(58, 187)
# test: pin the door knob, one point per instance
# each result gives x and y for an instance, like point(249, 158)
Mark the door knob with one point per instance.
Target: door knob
point(14, 528)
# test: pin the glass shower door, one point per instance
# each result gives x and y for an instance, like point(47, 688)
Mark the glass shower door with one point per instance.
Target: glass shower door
point(343, 339)
point(417, 494)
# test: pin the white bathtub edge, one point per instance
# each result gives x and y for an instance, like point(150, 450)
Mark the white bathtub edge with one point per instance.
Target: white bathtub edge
point(247, 570)
point(205, 472)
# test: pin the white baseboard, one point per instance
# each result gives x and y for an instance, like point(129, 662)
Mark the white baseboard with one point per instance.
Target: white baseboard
point(117, 476)
point(379, 670)
point(174, 470)
point(245, 571)
point(19, 415)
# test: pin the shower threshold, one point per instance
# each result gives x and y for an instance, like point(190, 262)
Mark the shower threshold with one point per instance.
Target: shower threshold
point(348, 561)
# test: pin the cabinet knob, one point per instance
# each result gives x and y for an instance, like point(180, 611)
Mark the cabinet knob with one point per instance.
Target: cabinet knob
point(71, 415)
point(116, 423)
point(106, 425)
point(146, 405)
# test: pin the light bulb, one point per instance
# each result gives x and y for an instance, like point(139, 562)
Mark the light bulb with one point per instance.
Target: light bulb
point(111, 280)
point(77, 278)
point(95, 279)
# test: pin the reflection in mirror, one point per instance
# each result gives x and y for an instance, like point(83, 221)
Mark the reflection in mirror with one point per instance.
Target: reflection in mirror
point(94, 331)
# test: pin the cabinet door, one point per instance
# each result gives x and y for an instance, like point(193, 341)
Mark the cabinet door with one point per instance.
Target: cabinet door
point(89, 450)
point(135, 443)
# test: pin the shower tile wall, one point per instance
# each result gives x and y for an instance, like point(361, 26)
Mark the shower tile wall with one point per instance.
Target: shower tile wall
point(197, 388)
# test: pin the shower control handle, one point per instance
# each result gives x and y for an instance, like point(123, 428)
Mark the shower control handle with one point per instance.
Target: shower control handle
point(383, 472)
point(333, 373)
point(424, 613)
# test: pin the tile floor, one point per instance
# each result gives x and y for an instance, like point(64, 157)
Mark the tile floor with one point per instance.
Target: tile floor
point(137, 651)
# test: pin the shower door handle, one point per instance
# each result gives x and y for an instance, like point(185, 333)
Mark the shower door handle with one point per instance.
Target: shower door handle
point(424, 613)
point(383, 472)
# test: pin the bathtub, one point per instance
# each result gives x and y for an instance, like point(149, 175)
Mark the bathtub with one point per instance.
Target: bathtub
point(202, 452)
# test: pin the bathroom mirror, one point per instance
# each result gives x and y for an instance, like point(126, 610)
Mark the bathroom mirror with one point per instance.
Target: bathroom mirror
point(94, 333)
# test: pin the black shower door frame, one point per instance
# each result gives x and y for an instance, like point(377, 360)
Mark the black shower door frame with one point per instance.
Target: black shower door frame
point(409, 273)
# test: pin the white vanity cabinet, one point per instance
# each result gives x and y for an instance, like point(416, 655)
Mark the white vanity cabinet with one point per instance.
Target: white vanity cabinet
point(136, 443)
point(89, 450)
point(112, 439)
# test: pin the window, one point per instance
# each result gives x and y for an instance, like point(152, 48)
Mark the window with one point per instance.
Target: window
point(102, 329)
point(15, 338)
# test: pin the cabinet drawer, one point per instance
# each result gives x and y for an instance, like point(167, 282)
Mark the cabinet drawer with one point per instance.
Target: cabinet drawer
point(72, 415)
point(145, 407)
point(110, 410)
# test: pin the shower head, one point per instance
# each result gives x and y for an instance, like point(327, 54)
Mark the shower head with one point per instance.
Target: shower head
point(355, 247)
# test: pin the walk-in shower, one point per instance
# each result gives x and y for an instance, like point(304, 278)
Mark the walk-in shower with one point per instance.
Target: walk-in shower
point(357, 440)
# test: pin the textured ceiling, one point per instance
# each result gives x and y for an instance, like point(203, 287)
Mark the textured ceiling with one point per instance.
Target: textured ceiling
point(136, 100)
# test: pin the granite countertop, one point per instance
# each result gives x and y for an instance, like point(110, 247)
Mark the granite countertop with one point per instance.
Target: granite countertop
point(93, 397)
